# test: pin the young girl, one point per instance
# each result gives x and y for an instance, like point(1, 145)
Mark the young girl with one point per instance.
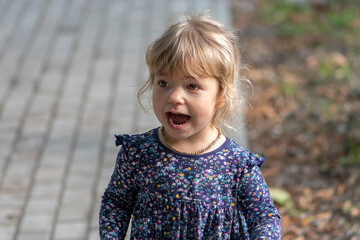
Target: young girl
point(185, 179)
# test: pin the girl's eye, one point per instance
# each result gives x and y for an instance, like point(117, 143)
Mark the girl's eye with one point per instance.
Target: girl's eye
point(192, 87)
point(163, 83)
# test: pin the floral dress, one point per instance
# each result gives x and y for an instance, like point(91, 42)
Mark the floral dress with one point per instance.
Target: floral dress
point(169, 195)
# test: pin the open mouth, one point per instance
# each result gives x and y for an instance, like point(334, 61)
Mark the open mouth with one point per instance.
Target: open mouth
point(178, 119)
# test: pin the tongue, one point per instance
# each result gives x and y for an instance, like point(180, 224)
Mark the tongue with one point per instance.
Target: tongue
point(179, 118)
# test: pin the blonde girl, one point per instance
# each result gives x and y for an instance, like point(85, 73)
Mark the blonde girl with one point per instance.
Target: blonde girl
point(185, 179)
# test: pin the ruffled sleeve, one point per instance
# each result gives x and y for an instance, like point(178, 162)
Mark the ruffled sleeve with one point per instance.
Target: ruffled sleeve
point(254, 201)
point(119, 197)
point(119, 139)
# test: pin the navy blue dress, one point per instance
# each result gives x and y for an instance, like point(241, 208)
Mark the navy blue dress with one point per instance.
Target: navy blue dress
point(169, 195)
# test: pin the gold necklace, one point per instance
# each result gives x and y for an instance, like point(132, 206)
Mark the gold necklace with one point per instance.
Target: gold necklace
point(192, 153)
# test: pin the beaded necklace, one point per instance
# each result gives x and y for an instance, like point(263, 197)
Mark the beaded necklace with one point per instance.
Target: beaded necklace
point(192, 153)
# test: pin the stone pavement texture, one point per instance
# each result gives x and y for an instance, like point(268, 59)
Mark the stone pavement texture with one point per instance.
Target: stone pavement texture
point(70, 71)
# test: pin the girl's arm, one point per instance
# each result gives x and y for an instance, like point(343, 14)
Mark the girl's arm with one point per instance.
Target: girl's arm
point(118, 200)
point(262, 217)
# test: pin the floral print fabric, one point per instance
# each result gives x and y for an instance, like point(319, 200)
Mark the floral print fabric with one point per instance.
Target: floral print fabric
point(169, 195)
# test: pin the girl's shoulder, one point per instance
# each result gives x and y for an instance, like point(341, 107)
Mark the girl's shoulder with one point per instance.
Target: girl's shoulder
point(135, 141)
point(244, 156)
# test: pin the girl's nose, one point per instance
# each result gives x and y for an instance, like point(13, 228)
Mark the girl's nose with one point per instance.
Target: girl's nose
point(176, 96)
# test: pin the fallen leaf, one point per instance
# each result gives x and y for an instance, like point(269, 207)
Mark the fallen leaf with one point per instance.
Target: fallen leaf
point(280, 196)
point(325, 194)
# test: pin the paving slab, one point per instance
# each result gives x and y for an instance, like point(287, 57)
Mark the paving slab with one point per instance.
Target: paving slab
point(70, 71)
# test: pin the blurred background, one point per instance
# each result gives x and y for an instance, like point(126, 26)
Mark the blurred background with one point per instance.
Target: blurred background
point(69, 73)
point(304, 62)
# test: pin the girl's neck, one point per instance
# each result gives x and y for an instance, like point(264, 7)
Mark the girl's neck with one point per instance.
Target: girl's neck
point(193, 147)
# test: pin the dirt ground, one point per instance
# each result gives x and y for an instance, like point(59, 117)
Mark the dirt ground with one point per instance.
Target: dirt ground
point(304, 117)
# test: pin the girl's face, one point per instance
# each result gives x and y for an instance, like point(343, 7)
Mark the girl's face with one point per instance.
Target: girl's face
point(185, 106)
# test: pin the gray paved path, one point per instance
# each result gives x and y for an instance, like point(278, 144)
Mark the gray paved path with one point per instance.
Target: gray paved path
point(69, 72)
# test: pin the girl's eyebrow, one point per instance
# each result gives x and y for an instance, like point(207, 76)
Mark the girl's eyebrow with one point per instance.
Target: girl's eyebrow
point(190, 78)
point(161, 73)
point(186, 77)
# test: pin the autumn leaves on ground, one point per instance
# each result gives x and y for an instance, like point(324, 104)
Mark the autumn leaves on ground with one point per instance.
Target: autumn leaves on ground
point(303, 58)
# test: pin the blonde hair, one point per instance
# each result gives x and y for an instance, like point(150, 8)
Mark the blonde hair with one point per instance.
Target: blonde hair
point(199, 46)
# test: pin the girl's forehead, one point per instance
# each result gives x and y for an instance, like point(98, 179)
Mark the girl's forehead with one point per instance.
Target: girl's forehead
point(188, 73)
point(180, 75)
